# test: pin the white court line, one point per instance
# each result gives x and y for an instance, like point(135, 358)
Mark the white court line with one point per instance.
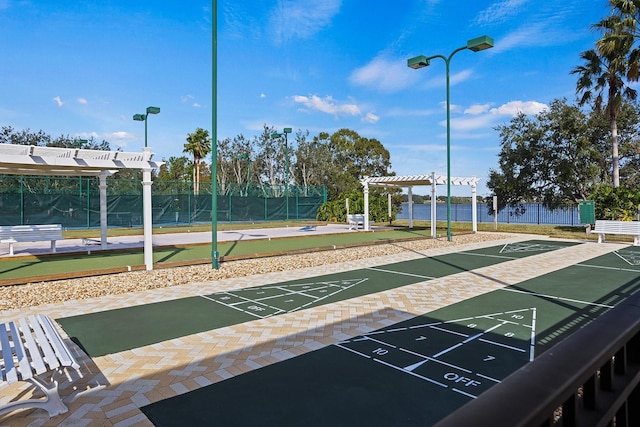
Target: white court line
point(400, 273)
point(278, 310)
point(535, 294)
point(487, 255)
point(604, 267)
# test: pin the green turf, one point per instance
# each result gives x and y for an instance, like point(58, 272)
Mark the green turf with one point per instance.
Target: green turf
point(117, 330)
point(374, 379)
point(78, 262)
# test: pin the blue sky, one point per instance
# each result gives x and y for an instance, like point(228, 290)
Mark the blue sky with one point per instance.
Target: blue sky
point(83, 68)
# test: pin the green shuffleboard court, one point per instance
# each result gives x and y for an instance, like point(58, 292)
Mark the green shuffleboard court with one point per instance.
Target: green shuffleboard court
point(418, 371)
point(122, 329)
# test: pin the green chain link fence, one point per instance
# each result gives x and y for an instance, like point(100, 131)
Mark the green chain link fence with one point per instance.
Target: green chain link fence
point(75, 202)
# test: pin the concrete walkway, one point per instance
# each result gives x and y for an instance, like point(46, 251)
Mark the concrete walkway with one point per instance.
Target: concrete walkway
point(171, 239)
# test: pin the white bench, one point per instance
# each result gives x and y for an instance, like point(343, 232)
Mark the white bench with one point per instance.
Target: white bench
point(30, 233)
point(629, 228)
point(30, 348)
point(355, 220)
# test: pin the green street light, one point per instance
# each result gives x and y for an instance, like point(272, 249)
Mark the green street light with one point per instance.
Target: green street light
point(475, 45)
point(285, 131)
point(143, 118)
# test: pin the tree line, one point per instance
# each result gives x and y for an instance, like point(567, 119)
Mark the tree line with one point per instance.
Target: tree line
point(335, 161)
point(589, 149)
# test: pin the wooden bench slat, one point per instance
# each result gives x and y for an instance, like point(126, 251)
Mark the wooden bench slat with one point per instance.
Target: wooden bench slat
point(9, 373)
point(24, 366)
point(61, 351)
point(37, 364)
point(49, 355)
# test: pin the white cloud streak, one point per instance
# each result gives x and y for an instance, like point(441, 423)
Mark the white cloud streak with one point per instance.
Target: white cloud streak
point(327, 105)
point(301, 18)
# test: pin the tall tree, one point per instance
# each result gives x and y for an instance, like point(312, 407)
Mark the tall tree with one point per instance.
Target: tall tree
point(198, 145)
point(602, 79)
point(549, 158)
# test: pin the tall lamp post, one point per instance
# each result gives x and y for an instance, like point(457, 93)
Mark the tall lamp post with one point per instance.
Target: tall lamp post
point(285, 131)
point(476, 45)
point(144, 117)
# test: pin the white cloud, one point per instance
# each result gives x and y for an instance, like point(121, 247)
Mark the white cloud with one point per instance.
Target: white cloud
point(196, 105)
point(513, 108)
point(499, 12)
point(263, 95)
point(121, 135)
point(82, 101)
point(186, 98)
point(384, 74)
point(327, 105)
point(477, 109)
point(370, 118)
point(58, 101)
point(301, 18)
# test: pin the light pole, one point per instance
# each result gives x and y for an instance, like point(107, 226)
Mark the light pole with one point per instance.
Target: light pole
point(144, 118)
point(285, 131)
point(476, 45)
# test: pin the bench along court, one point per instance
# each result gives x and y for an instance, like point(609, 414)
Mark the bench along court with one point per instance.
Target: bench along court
point(625, 228)
point(30, 350)
point(30, 233)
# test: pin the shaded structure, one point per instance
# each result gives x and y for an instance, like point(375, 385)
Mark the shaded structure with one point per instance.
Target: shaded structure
point(53, 161)
point(411, 181)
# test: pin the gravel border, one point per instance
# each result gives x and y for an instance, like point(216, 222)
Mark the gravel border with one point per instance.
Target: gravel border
point(41, 293)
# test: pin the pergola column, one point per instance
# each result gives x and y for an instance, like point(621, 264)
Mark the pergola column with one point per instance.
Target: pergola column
point(366, 206)
point(147, 219)
point(474, 210)
point(103, 208)
point(410, 200)
point(433, 205)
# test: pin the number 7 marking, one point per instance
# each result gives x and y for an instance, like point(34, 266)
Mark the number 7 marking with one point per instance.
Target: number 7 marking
point(488, 358)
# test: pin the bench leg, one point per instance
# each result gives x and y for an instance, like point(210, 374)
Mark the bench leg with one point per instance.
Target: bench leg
point(52, 403)
point(636, 240)
point(11, 249)
point(600, 238)
point(53, 246)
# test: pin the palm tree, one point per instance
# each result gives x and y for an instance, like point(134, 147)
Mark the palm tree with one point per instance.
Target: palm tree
point(198, 145)
point(602, 80)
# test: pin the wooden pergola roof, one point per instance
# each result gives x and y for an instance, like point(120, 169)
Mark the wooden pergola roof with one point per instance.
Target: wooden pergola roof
point(416, 180)
point(54, 161)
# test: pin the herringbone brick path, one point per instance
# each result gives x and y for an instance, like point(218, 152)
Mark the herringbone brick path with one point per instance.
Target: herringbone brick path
point(113, 387)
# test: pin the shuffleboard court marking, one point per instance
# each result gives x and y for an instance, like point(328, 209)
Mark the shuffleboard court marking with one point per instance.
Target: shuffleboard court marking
point(254, 304)
point(423, 350)
point(529, 247)
point(629, 256)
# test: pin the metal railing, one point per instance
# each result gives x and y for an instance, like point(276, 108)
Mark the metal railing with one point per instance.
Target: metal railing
point(589, 379)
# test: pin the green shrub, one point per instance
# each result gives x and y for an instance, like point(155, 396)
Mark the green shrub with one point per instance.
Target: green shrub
point(619, 203)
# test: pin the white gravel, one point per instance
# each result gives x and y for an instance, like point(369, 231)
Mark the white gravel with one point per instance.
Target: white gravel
point(32, 294)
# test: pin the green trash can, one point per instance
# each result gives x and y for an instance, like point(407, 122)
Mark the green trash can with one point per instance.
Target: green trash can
point(587, 212)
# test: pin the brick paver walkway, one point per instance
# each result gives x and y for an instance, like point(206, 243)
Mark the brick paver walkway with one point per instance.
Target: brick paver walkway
point(113, 387)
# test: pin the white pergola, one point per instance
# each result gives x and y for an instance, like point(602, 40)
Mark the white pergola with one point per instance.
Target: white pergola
point(411, 181)
point(53, 161)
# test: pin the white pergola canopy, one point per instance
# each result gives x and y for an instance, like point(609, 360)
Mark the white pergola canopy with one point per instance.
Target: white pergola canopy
point(411, 181)
point(53, 161)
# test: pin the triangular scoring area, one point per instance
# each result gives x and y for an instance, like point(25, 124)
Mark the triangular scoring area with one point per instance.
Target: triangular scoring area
point(630, 255)
point(271, 300)
point(467, 355)
point(527, 247)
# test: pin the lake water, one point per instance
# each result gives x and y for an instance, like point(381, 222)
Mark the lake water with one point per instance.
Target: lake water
point(529, 213)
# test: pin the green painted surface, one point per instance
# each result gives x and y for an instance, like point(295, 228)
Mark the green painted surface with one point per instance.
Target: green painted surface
point(418, 371)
